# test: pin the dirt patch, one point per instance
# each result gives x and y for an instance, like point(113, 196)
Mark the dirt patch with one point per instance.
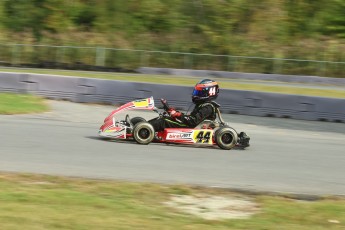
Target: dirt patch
point(214, 207)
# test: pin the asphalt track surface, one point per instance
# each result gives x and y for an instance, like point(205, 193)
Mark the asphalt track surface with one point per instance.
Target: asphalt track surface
point(288, 156)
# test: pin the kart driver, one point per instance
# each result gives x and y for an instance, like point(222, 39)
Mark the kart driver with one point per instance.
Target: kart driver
point(203, 95)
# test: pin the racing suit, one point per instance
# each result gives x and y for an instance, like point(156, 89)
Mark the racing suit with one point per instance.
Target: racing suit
point(201, 112)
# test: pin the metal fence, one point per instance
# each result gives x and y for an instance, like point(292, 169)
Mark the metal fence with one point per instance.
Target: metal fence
point(101, 58)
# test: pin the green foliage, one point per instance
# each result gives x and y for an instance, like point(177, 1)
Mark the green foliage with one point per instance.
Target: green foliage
point(333, 18)
point(150, 15)
point(85, 15)
point(36, 16)
point(201, 16)
point(301, 29)
point(214, 26)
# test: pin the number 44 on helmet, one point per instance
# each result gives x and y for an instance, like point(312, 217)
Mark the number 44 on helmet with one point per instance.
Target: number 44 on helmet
point(120, 124)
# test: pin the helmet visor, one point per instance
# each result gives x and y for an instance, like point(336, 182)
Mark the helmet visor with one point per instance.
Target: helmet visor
point(198, 93)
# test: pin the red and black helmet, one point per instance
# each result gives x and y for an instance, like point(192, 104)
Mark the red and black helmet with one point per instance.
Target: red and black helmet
point(205, 90)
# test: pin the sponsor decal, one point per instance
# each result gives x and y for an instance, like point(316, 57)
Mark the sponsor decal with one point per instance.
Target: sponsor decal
point(114, 129)
point(179, 136)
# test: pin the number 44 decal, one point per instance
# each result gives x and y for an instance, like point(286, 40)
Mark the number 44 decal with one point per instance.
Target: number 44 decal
point(203, 137)
point(212, 91)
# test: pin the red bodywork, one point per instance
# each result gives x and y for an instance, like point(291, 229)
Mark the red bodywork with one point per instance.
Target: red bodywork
point(113, 127)
point(186, 136)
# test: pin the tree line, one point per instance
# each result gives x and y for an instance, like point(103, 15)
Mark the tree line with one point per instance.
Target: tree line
point(302, 29)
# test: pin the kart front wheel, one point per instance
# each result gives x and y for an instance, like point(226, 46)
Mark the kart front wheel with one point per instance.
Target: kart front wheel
point(226, 138)
point(143, 133)
point(136, 120)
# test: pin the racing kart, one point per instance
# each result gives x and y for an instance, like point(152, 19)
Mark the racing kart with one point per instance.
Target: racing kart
point(120, 125)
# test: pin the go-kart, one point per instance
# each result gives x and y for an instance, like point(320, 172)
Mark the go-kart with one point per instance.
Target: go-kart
point(207, 133)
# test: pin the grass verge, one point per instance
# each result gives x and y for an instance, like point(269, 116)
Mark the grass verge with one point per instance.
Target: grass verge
point(11, 103)
point(190, 81)
point(50, 202)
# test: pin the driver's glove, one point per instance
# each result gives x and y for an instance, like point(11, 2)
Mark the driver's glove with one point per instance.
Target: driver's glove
point(174, 114)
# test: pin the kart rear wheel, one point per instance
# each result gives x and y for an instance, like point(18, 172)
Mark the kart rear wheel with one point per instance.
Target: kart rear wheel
point(143, 133)
point(226, 138)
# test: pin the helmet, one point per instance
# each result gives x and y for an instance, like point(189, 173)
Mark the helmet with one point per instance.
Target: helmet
point(205, 90)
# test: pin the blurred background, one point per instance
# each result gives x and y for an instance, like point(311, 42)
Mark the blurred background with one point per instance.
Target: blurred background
point(298, 37)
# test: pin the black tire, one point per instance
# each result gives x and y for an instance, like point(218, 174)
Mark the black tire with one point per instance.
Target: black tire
point(143, 133)
point(226, 138)
point(136, 120)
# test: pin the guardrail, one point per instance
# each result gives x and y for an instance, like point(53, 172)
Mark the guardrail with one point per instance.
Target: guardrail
point(87, 90)
point(242, 76)
point(102, 58)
